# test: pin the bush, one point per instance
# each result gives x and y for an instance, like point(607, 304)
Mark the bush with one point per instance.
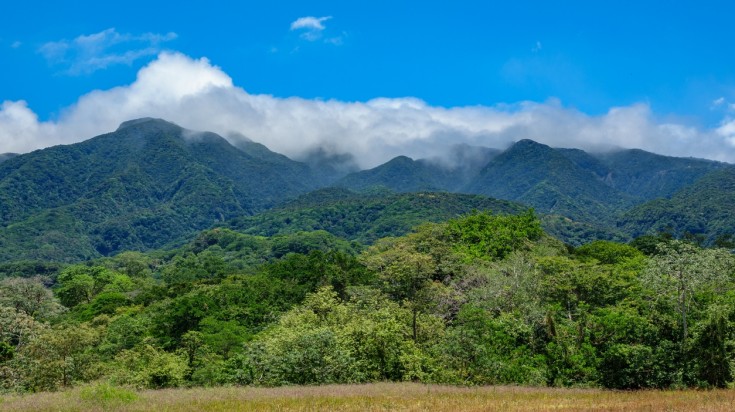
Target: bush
point(149, 367)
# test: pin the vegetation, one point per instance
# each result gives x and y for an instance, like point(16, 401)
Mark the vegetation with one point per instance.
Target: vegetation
point(547, 180)
point(369, 397)
point(338, 287)
point(152, 184)
point(482, 299)
point(365, 217)
point(702, 209)
point(141, 187)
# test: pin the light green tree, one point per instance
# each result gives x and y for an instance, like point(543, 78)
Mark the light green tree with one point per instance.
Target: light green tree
point(30, 296)
point(681, 270)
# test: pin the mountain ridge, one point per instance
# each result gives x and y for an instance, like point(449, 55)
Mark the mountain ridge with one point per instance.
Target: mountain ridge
point(139, 187)
point(152, 182)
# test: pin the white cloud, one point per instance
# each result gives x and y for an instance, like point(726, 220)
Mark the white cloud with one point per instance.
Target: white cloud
point(16, 44)
point(88, 53)
point(309, 22)
point(312, 28)
point(197, 95)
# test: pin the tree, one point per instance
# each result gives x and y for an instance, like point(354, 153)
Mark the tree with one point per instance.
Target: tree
point(680, 270)
point(484, 236)
point(405, 274)
point(61, 356)
point(712, 349)
point(327, 340)
point(80, 284)
point(147, 366)
point(608, 252)
point(17, 328)
point(30, 296)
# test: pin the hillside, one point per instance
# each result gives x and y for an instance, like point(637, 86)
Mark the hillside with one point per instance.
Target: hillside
point(146, 184)
point(642, 174)
point(703, 208)
point(152, 183)
point(365, 217)
point(539, 176)
point(403, 174)
point(6, 156)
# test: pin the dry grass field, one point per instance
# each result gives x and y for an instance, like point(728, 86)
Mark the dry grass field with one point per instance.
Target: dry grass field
point(373, 397)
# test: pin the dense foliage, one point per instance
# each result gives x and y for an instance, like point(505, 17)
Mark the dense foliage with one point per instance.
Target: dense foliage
point(544, 178)
point(141, 187)
point(152, 184)
point(703, 209)
point(365, 217)
point(479, 299)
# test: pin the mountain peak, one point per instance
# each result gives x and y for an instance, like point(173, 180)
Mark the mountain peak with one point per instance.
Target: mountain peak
point(528, 144)
point(400, 160)
point(144, 120)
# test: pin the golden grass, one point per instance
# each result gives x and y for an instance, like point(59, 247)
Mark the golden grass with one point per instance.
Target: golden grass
point(372, 397)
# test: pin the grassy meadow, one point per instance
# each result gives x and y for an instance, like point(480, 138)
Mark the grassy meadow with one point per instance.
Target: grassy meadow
point(369, 397)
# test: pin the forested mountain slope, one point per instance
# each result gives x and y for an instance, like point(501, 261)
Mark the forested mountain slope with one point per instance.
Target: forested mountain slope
point(403, 174)
point(6, 156)
point(642, 174)
point(541, 177)
point(366, 217)
point(152, 183)
point(144, 185)
point(704, 208)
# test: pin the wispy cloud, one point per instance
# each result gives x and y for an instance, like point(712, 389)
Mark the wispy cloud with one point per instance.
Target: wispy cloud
point(200, 96)
point(312, 29)
point(310, 22)
point(89, 53)
point(723, 104)
point(16, 44)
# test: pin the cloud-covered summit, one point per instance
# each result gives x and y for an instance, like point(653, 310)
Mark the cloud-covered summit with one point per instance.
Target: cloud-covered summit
point(200, 96)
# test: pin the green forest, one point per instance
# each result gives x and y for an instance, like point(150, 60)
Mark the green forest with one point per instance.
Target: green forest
point(478, 299)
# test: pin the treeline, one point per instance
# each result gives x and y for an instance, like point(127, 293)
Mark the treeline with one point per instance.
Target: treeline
point(482, 299)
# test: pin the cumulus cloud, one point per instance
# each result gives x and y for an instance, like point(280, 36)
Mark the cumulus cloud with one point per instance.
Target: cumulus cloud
point(89, 53)
point(200, 96)
point(310, 26)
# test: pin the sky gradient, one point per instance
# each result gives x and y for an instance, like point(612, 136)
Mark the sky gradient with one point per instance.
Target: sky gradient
point(411, 77)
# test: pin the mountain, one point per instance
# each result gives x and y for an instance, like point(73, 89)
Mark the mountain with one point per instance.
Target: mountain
point(539, 176)
point(703, 208)
point(642, 174)
point(146, 184)
point(403, 174)
point(329, 167)
point(400, 174)
point(365, 217)
point(6, 156)
point(580, 194)
point(152, 183)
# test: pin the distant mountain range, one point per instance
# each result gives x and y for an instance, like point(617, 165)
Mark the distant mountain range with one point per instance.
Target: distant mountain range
point(593, 188)
point(152, 183)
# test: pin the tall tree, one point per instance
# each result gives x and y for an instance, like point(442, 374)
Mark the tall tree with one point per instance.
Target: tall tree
point(681, 270)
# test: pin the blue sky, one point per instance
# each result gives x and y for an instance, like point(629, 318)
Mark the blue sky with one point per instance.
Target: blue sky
point(672, 63)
